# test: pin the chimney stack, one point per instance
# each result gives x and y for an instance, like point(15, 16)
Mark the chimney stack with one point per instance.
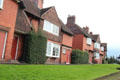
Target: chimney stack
point(38, 3)
point(86, 29)
point(71, 19)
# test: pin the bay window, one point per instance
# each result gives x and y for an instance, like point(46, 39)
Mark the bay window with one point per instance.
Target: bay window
point(97, 45)
point(54, 29)
point(1, 4)
point(53, 50)
point(89, 41)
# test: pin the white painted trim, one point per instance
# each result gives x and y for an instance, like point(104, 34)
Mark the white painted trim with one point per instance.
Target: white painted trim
point(3, 54)
point(2, 2)
point(17, 48)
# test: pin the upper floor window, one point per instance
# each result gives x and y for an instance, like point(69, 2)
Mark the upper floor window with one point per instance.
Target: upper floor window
point(53, 50)
point(1, 4)
point(89, 41)
point(51, 28)
point(97, 45)
point(102, 48)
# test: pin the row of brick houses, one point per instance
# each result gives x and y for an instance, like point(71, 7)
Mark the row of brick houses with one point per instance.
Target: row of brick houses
point(22, 16)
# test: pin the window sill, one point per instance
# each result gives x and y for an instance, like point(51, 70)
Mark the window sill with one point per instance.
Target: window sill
point(53, 56)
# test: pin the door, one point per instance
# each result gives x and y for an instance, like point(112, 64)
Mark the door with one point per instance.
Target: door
point(14, 47)
point(67, 57)
point(3, 37)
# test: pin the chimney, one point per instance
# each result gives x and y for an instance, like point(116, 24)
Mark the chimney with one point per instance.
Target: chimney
point(91, 33)
point(38, 3)
point(71, 19)
point(86, 29)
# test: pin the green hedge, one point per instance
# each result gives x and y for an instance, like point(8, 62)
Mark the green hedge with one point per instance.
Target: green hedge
point(79, 57)
point(34, 48)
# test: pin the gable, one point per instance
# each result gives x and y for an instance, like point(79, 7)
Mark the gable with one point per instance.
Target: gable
point(98, 39)
point(51, 16)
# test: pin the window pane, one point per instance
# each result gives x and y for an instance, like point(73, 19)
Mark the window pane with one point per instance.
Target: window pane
point(49, 46)
point(1, 4)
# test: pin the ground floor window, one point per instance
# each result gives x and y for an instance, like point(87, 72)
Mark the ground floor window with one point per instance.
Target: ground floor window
point(53, 49)
point(97, 56)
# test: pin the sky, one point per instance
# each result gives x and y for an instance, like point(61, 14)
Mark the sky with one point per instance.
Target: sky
point(101, 16)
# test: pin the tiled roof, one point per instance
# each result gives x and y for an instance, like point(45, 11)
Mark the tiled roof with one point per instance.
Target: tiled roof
point(78, 30)
point(65, 28)
point(42, 11)
point(95, 37)
point(31, 8)
point(22, 23)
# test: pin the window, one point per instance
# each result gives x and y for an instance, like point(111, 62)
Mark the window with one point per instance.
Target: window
point(53, 50)
point(51, 28)
point(63, 50)
point(102, 48)
point(97, 56)
point(97, 45)
point(1, 4)
point(89, 41)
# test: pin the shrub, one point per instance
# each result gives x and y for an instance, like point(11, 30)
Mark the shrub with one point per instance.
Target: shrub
point(34, 48)
point(79, 57)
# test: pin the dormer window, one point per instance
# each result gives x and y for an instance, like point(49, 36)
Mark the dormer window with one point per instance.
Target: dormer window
point(97, 45)
point(1, 4)
point(52, 28)
point(89, 41)
point(102, 48)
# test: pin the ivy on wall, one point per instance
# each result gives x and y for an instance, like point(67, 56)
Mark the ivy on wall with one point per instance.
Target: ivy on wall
point(34, 48)
point(79, 57)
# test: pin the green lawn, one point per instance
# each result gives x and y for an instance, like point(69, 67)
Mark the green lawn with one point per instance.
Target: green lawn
point(55, 72)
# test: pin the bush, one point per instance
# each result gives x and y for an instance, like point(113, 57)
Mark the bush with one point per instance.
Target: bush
point(79, 57)
point(34, 48)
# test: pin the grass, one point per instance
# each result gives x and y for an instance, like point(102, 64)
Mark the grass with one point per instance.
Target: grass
point(55, 72)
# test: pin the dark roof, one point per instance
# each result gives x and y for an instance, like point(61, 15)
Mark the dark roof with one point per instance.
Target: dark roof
point(31, 8)
point(95, 37)
point(42, 11)
point(22, 23)
point(65, 28)
point(78, 30)
point(104, 45)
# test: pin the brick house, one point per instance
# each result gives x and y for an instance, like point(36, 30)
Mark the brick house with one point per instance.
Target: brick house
point(82, 39)
point(86, 41)
point(30, 15)
point(56, 33)
point(8, 15)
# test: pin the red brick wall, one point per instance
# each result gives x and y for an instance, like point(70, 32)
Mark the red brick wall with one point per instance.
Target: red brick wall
point(86, 46)
point(8, 19)
point(35, 24)
point(77, 42)
point(67, 40)
point(64, 55)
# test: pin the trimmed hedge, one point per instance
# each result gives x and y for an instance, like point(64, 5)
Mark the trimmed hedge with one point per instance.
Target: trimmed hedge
point(34, 48)
point(79, 57)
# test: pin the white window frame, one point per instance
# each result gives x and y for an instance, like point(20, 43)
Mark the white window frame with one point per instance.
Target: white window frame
point(64, 51)
point(53, 45)
point(89, 41)
point(1, 4)
point(102, 48)
point(3, 53)
point(97, 56)
point(97, 45)
point(50, 27)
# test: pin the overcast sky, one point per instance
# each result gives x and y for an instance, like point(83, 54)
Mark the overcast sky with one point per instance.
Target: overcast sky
point(102, 17)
